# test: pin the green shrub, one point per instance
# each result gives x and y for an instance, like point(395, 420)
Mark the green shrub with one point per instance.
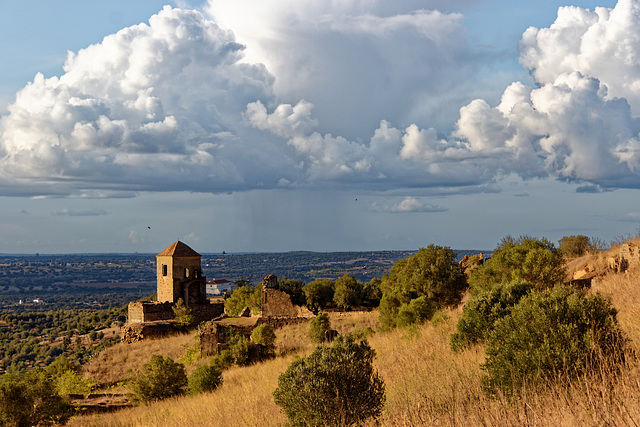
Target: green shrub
point(241, 297)
point(239, 347)
point(319, 294)
point(332, 386)
point(398, 310)
point(553, 332)
point(70, 382)
point(318, 326)
point(347, 292)
point(524, 259)
point(15, 404)
point(264, 337)
point(418, 310)
point(182, 313)
point(32, 400)
point(483, 309)
point(159, 378)
point(204, 378)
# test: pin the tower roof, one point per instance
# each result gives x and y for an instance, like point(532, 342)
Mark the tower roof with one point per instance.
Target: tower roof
point(179, 249)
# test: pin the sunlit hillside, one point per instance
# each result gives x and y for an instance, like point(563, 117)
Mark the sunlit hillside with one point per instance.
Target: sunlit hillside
point(426, 382)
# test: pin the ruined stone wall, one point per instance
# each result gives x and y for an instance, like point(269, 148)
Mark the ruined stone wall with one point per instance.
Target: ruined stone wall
point(134, 332)
point(144, 312)
point(277, 303)
point(141, 312)
point(215, 336)
point(206, 312)
point(281, 322)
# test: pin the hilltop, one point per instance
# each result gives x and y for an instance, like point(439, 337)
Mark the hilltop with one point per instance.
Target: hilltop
point(427, 383)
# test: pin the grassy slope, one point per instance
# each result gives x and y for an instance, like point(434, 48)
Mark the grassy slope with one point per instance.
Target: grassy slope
point(427, 384)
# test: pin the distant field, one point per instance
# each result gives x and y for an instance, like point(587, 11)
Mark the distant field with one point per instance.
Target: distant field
point(35, 274)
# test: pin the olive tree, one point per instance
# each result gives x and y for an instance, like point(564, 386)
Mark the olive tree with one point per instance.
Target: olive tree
point(335, 385)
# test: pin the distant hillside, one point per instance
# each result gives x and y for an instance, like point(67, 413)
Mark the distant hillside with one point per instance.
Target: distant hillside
point(127, 272)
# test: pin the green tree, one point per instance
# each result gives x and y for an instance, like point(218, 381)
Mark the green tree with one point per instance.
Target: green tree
point(525, 259)
point(348, 292)
point(417, 310)
point(576, 246)
point(32, 400)
point(241, 297)
point(484, 309)
point(318, 326)
point(158, 379)
point(204, 378)
point(264, 337)
point(432, 276)
point(332, 386)
point(372, 292)
point(319, 294)
point(293, 287)
point(552, 332)
point(432, 272)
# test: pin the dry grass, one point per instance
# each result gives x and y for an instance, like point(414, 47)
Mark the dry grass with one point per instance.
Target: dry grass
point(426, 383)
point(119, 362)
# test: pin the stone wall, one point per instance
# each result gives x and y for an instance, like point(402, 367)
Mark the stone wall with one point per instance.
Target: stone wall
point(143, 312)
point(281, 322)
point(276, 303)
point(206, 312)
point(134, 332)
point(214, 336)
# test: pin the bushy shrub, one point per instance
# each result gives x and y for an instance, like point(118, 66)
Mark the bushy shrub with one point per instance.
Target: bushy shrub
point(182, 313)
point(552, 332)
point(239, 348)
point(32, 400)
point(372, 292)
point(159, 378)
point(318, 326)
point(264, 337)
point(417, 310)
point(204, 378)
point(483, 309)
point(332, 386)
point(241, 297)
point(319, 294)
point(397, 310)
point(524, 259)
point(347, 292)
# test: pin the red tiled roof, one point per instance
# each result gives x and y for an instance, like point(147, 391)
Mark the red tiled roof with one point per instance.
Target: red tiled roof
point(178, 249)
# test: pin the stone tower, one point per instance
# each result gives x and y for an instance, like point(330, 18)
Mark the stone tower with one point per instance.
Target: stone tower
point(179, 275)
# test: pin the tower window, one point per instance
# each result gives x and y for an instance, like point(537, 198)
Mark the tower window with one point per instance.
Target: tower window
point(186, 272)
point(164, 269)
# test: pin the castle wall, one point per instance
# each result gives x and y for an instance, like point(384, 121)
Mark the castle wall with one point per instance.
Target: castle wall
point(143, 312)
point(276, 303)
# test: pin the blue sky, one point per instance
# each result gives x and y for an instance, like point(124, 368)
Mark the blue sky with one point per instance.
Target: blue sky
point(276, 125)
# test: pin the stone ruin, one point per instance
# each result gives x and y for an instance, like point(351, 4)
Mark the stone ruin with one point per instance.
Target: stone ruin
point(629, 256)
point(179, 276)
point(277, 311)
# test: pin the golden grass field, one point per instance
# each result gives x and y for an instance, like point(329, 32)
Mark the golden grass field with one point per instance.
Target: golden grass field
point(426, 383)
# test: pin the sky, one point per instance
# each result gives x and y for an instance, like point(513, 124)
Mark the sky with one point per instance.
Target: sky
point(280, 125)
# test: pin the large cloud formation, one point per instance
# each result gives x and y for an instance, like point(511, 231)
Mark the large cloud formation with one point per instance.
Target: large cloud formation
point(343, 94)
point(152, 107)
